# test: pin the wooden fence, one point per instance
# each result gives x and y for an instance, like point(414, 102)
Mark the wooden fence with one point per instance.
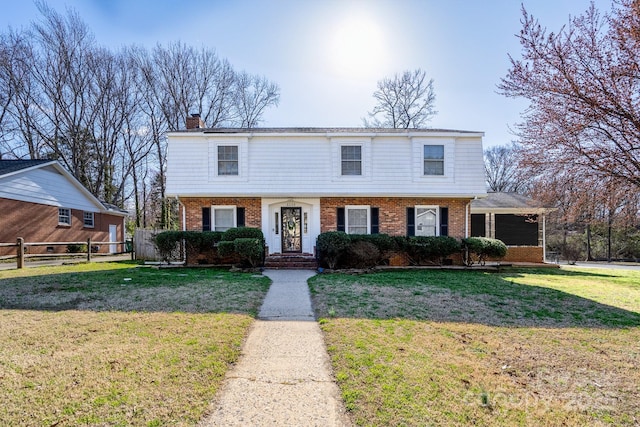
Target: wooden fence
point(21, 245)
point(143, 245)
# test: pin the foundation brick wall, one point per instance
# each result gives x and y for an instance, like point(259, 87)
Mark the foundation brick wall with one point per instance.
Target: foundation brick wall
point(193, 206)
point(523, 254)
point(393, 212)
point(39, 223)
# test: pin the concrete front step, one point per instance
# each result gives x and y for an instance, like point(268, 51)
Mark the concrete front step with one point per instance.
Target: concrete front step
point(291, 261)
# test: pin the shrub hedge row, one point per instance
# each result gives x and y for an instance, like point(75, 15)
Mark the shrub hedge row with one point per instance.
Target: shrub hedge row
point(245, 243)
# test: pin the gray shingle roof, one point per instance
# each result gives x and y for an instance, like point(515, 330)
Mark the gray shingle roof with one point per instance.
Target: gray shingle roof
point(500, 200)
point(9, 166)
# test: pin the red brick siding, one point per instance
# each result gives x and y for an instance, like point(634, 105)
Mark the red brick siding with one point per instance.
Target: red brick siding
point(523, 254)
point(393, 212)
point(193, 205)
point(39, 223)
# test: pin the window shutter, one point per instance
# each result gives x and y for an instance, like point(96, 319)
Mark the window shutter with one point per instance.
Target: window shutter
point(375, 223)
point(206, 219)
point(239, 217)
point(444, 221)
point(411, 222)
point(340, 218)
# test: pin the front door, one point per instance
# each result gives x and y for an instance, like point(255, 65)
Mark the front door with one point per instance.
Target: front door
point(291, 229)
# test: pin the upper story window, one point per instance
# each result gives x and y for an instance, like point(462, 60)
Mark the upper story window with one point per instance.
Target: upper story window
point(351, 156)
point(434, 159)
point(88, 219)
point(227, 160)
point(64, 216)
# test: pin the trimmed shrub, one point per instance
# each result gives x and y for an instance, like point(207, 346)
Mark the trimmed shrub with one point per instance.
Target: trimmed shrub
point(423, 250)
point(331, 245)
point(251, 250)
point(226, 249)
point(483, 248)
point(242, 233)
point(361, 254)
point(168, 244)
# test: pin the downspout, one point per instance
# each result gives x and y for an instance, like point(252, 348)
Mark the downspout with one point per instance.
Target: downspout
point(466, 220)
point(544, 237)
point(184, 228)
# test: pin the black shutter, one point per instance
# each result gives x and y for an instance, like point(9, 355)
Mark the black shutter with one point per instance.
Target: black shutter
point(206, 219)
point(411, 222)
point(239, 217)
point(340, 219)
point(375, 222)
point(444, 221)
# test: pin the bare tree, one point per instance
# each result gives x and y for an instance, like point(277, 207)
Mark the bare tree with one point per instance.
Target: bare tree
point(582, 83)
point(502, 169)
point(253, 94)
point(404, 101)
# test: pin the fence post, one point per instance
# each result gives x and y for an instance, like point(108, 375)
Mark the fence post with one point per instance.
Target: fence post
point(20, 260)
point(89, 249)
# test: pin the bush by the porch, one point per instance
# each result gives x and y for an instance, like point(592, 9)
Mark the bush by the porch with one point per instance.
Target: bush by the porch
point(482, 248)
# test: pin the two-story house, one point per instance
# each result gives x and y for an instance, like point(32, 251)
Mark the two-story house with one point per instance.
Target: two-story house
point(295, 183)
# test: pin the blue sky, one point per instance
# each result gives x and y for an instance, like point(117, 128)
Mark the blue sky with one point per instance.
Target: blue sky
point(327, 55)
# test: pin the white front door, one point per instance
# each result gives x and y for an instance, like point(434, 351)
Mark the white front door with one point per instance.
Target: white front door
point(113, 237)
point(291, 225)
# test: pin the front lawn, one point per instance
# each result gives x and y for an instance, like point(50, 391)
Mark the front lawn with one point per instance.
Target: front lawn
point(119, 344)
point(458, 348)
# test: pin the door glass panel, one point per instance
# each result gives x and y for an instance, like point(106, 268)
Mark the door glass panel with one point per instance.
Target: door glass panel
point(291, 230)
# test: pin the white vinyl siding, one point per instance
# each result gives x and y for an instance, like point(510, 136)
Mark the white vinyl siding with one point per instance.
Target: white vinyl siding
point(357, 220)
point(64, 216)
point(223, 217)
point(301, 165)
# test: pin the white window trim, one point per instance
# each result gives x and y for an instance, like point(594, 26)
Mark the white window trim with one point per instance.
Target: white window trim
point(418, 160)
point(84, 219)
point(434, 160)
point(243, 160)
point(365, 159)
point(415, 220)
point(213, 215)
point(69, 216)
point(346, 216)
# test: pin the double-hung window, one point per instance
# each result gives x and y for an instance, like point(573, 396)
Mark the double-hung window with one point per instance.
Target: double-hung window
point(223, 218)
point(351, 157)
point(64, 216)
point(426, 220)
point(227, 160)
point(434, 159)
point(88, 219)
point(357, 219)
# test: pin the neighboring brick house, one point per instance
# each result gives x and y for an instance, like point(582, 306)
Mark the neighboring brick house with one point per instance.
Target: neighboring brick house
point(295, 183)
point(517, 220)
point(41, 201)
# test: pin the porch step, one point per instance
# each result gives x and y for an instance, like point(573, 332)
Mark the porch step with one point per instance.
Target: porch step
point(291, 261)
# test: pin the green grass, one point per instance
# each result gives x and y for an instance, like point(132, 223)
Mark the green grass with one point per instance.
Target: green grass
point(119, 344)
point(454, 348)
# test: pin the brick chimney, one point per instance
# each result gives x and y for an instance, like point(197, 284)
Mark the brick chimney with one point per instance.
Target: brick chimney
point(195, 122)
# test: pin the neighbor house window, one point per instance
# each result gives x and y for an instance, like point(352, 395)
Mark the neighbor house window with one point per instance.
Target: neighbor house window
point(426, 220)
point(224, 218)
point(227, 160)
point(434, 159)
point(88, 219)
point(351, 156)
point(64, 216)
point(357, 219)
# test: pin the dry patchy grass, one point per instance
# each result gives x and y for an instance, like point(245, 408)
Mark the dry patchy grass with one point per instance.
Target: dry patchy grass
point(468, 348)
point(84, 346)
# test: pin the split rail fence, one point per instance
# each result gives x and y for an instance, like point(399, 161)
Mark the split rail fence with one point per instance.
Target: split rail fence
point(21, 253)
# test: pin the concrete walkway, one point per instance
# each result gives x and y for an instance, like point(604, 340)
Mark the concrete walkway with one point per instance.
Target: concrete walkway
point(283, 377)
